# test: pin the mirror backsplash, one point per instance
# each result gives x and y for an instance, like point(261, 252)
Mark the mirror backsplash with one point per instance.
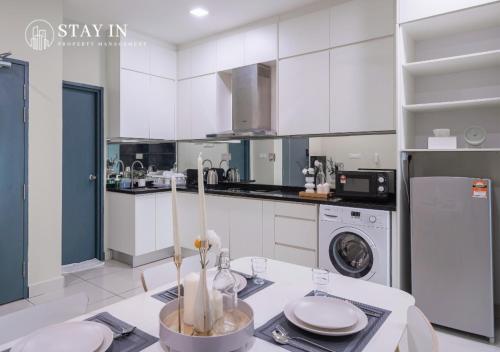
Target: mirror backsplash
point(279, 161)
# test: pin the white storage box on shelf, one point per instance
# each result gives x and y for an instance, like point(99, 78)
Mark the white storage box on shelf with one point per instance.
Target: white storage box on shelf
point(442, 142)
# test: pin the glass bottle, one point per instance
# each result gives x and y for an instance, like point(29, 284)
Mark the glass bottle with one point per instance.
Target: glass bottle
point(225, 298)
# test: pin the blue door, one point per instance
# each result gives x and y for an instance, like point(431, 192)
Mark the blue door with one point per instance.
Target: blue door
point(81, 235)
point(13, 176)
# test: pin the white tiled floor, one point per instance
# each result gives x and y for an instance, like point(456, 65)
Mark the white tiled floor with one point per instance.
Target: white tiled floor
point(105, 285)
point(115, 281)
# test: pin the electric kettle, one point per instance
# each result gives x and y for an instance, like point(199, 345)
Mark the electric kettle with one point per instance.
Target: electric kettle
point(212, 177)
point(233, 175)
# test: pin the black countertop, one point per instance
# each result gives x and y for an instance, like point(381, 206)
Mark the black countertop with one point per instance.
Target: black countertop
point(277, 193)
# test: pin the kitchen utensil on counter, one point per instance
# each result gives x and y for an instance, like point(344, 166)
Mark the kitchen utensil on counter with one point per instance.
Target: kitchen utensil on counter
point(233, 175)
point(212, 177)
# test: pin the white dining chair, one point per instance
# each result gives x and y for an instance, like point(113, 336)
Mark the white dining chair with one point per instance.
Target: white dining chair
point(165, 273)
point(420, 335)
point(25, 321)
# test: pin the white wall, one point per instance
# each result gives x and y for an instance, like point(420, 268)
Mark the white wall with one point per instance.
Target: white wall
point(341, 148)
point(45, 135)
point(85, 64)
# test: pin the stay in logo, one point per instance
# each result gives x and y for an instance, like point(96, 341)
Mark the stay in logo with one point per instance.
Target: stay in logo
point(40, 34)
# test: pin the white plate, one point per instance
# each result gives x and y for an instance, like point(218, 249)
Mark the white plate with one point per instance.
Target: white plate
point(80, 336)
point(108, 336)
point(360, 325)
point(326, 312)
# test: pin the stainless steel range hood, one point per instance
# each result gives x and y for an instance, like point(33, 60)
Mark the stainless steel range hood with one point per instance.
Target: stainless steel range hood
point(251, 103)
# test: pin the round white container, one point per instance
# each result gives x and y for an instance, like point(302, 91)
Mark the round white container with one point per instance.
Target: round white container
point(239, 341)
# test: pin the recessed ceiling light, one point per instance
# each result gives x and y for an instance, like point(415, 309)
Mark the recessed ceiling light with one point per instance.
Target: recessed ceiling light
point(199, 12)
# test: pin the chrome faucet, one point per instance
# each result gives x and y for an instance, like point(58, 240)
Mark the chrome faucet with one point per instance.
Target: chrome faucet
point(204, 161)
point(119, 162)
point(132, 171)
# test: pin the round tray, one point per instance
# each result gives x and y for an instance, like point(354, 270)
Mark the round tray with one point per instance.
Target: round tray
point(239, 341)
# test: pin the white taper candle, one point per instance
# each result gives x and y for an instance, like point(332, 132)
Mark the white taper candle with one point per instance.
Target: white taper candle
point(175, 224)
point(201, 194)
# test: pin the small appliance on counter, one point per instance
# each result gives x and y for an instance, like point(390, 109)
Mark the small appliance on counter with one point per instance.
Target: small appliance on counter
point(375, 184)
point(212, 177)
point(192, 177)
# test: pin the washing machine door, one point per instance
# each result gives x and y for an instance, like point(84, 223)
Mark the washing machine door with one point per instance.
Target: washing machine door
point(353, 253)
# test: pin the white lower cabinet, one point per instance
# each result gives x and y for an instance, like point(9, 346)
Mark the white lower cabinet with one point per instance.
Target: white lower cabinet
point(188, 217)
point(295, 255)
point(246, 227)
point(139, 224)
point(291, 232)
point(218, 217)
point(164, 230)
point(144, 224)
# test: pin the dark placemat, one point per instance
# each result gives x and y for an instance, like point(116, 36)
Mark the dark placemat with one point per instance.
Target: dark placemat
point(250, 289)
point(351, 343)
point(135, 342)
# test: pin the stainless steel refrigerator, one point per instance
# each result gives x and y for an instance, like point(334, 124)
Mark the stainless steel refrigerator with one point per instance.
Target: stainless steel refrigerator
point(451, 252)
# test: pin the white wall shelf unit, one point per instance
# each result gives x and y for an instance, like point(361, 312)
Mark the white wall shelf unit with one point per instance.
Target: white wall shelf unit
point(450, 77)
point(452, 64)
point(453, 105)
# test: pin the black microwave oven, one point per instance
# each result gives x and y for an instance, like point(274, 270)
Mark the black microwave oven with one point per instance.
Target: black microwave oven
point(366, 183)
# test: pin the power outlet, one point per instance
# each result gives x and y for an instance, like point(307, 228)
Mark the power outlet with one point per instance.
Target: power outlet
point(139, 156)
point(355, 156)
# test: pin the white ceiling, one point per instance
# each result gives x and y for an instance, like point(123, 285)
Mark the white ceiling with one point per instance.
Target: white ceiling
point(170, 20)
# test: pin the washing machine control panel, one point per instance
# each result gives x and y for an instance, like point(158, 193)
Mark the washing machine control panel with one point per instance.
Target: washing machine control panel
point(355, 216)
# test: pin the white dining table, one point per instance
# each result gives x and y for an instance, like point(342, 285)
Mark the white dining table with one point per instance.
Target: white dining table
point(290, 282)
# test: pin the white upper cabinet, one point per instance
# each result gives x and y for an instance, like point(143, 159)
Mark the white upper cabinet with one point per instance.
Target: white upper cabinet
point(304, 34)
point(148, 56)
point(163, 61)
point(359, 20)
point(162, 108)
point(134, 57)
point(204, 58)
point(203, 106)
point(184, 63)
point(411, 10)
point(304, 94)
point(133, 113)
point(261, 44)
point(197, 107)
point(363, 87)
point(183, 113)
point(230, 52)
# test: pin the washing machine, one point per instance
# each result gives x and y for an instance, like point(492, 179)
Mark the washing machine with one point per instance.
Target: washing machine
point(356, 242)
